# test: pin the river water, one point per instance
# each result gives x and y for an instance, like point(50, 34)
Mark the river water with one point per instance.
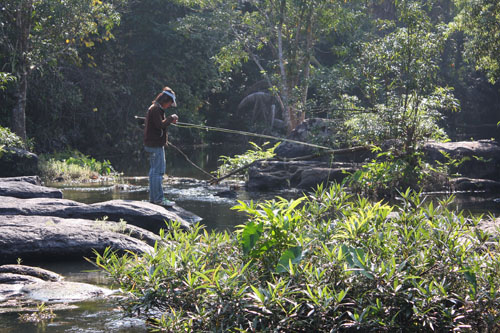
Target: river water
point(186, 186)
point(183, 184)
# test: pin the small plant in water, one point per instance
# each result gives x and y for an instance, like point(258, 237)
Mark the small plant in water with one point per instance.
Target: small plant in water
point(73, 165)
point(42, 314)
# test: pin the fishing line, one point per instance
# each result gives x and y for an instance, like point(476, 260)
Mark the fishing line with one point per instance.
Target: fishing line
point(179, 124)
point(227, 130)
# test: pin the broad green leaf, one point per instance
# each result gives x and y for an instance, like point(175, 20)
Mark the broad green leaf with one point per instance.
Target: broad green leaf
point(291, 256)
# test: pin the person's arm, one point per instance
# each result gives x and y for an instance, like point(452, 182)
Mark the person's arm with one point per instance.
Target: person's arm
point(157, 120)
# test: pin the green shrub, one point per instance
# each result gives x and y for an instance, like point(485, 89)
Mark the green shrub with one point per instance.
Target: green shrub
point(73, 165)
point(393, 171)
point(362, 265)
point(11, 140)
point(230, 164)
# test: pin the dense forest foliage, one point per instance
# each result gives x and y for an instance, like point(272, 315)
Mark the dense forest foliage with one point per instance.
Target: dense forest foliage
point(74, 73)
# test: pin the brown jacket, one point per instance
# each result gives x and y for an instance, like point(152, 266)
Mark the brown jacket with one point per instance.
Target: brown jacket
point(155, 132)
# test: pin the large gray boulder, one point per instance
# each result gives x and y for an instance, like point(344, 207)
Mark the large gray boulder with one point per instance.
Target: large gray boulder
point(142, 214)
point(477, 159)
point(26, 189)
point(48, 237)
point(35, 180)
point(306, 175)
point(18, 162)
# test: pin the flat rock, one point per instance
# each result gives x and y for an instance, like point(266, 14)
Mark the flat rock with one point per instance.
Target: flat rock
point(142, 214)
point(63, 291)
point(26, 189)
point(36, 272)
point(48, 237)
point(21, 285)
point(35, 180)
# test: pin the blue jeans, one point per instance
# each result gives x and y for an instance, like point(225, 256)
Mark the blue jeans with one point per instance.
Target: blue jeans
point(156, 172)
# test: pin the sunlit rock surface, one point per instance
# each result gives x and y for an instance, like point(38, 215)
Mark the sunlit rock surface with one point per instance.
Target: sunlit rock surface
point(50, 238)
point(24, 285)
point(142, 214)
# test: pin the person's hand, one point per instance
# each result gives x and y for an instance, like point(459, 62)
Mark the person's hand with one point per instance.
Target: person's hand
point(174, 118)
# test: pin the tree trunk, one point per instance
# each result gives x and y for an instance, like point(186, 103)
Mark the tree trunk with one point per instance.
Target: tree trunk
point(23, 25)
point(284, 89)
point(19, 111)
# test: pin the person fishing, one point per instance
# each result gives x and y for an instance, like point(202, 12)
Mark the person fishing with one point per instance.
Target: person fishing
point(155, 140)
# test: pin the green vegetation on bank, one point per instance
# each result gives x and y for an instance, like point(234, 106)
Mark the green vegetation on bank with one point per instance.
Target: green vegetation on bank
point(11, 140)
point(328, 261)
point(72, 165)
point(230, 164)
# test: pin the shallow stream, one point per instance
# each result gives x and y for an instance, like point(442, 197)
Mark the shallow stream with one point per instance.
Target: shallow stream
point(185, 185)
point(189, 189)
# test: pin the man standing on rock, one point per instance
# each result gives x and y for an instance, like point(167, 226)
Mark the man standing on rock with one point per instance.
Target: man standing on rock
point(155, 140)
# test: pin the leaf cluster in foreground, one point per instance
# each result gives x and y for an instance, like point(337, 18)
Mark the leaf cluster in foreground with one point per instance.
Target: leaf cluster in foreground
point(322, 263)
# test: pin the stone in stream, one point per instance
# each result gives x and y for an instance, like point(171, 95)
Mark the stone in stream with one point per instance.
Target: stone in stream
point(24, 285)
point(50, 238)
point(63, 291)
point(19, 187)
point(142, 214)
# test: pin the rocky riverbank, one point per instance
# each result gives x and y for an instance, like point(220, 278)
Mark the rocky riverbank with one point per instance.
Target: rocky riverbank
point(476, 162)
point(36, 222)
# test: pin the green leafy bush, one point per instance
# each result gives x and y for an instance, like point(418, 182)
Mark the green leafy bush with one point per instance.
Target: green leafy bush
point(11, 140)
point(73, 165)
point(392, 171)
point(230, 164)
point(322, 263)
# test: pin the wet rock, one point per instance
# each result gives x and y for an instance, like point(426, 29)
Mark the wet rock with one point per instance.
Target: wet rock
point(464, 184)
point(26, 189)
point(227, 194)
point(42, 286)
point(272, 175)
point(36, 272)
point(63, 291)
point(18, 162)
point(142, 214)
point(478, 159)
point(51, 238)
point(11, 278)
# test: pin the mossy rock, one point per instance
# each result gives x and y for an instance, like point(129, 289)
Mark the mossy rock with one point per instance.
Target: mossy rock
point(16, 162)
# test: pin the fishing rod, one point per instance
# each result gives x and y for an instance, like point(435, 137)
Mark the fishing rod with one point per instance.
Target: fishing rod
point(231, 131)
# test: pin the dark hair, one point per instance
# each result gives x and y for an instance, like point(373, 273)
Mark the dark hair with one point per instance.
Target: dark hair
point(163, 98)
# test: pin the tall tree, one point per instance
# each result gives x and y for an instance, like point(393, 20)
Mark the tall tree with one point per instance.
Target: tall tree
point(279, 36)
point(36, 33)
point(398, 78)
point(480, 20)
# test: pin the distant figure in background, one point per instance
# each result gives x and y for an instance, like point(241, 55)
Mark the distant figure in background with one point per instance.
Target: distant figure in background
point(155, 140)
